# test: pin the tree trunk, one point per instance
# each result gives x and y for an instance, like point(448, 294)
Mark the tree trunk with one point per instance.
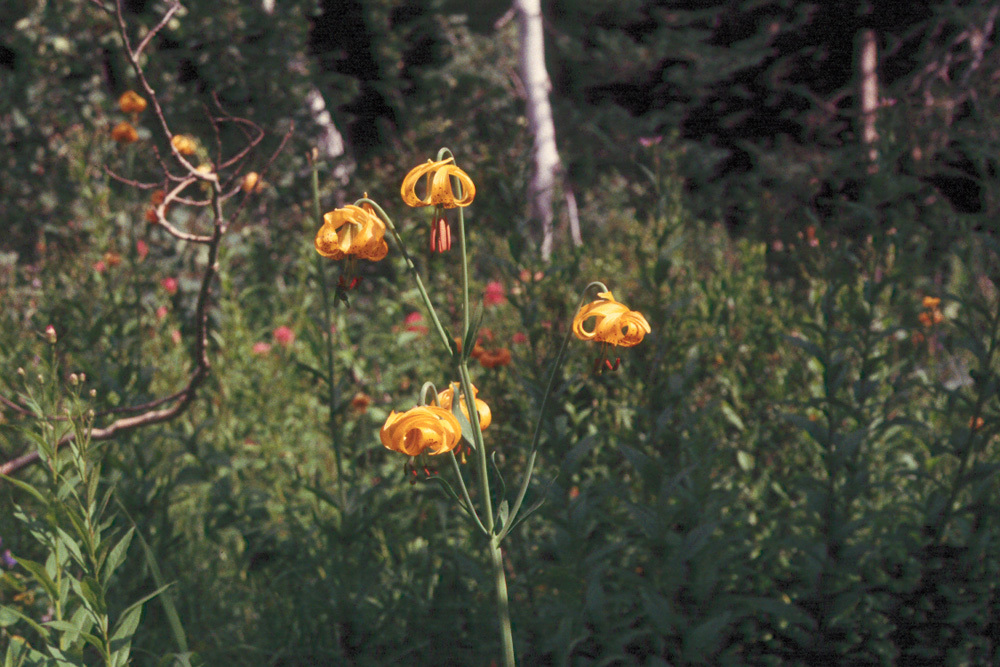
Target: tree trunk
point(868, 66)
point(537, 85)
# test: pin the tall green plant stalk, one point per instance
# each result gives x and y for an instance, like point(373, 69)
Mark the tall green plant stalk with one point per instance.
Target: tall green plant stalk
point(332, 398)
point(494, 524)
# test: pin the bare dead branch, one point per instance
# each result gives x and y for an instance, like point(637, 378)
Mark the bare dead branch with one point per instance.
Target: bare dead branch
point(151, 412)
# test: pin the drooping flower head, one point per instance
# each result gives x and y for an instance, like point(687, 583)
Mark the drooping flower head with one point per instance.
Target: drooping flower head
point(426, 428)
point(447, 397)
point(496, 357)
point(352, 231)
point(613, 325)
point(124, 133)
point(131, 102)
point(438, 191)
point(184, 144)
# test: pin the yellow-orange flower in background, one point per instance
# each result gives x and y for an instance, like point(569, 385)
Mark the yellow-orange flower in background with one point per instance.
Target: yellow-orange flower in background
point(932, 312)
point(124, 133)
point(352, 230)
point(426, 428)
point(614, 323)
point(131, 102)
point(438, 192)
point(447, 397)
point(184, 144)
point(252, 183)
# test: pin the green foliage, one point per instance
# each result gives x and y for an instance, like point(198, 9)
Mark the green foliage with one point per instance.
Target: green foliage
point(798, 465)
point(67, 517)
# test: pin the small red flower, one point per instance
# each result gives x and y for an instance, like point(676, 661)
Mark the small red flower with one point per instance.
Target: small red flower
point(161, 312)
point(519, 338)
point(284, 336)
point(169, 284)
point(412, 322)
point(141, 249)
point(494, 294)
point(261, 348)
point(100, 266)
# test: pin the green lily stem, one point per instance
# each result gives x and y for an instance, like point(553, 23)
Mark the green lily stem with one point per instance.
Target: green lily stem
point(412, 268)
point(474, 414)
point(533, 452)
point(493, 546)
point(332, 397)
point(503, 605)
point(465, 494)
point(496, 558)
point(445, 153)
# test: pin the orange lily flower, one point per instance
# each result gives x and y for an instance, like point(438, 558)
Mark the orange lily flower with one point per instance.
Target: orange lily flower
point(614, 323)
point(439, 192)
point(447, 397)
point(131, 102)
point(124, 133)
point(352, 230)
point(426, 428)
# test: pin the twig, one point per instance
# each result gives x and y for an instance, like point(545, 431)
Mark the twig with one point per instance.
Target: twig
point(151, 412)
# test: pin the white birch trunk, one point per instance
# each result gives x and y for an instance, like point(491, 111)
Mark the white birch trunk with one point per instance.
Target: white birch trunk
point(537, 85)
point(869, 94)
point(331, 142)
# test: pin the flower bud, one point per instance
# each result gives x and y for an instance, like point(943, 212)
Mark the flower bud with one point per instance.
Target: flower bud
point(50, 334)
point(74, 379)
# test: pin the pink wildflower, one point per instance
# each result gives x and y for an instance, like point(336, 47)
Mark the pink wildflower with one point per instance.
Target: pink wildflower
point(100, 266)
point(519, 338)
point(50, 334)
point(284, 336)
point(175, 336)
point(161, 312)
point(412, 322)
point(141, 249)
point(169, 284)
point(261, 348)
point(494, 294)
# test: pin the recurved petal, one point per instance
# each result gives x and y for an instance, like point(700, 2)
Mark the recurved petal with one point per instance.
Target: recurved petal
point(425, 428)
point(408, 189)
point(328, 243)
point(447, 397)
point(441, 193)
point(599, 311)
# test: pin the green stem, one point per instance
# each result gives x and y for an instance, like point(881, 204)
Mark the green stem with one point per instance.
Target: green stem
point(332, 398)
point(503, 605)
point(541, 416)
point(413, 270)
point(443, 154)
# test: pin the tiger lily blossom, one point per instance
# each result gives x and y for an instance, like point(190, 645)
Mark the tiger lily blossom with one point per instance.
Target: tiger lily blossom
point(439, 191)
point(613, 324)
point(426, 428)
point(447, 397)
point(352, 231)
